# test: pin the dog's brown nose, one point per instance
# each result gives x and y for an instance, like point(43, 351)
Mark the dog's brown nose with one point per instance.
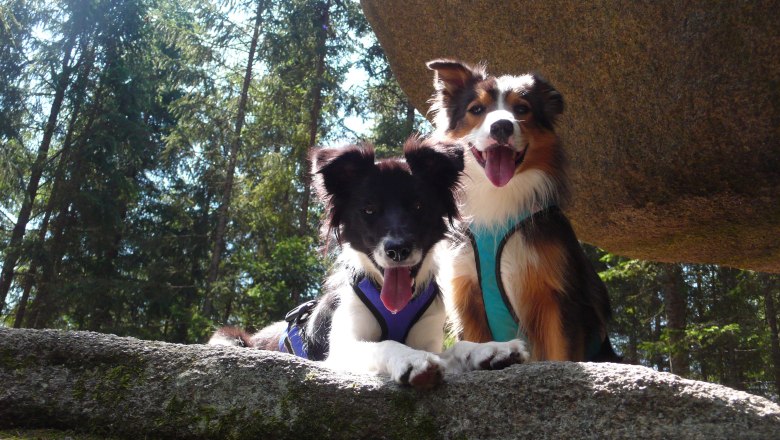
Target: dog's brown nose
point(501, 130)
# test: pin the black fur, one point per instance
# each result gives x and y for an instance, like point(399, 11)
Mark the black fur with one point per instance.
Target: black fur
point(317, 341)
point(546, 102)
point(585, 304)
point(410, 196)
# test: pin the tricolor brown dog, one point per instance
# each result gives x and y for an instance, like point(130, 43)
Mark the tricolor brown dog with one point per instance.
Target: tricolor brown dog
point(518, 269)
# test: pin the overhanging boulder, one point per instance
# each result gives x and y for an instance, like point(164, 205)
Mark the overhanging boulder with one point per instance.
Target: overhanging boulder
point(673, 111)
point(131, 388)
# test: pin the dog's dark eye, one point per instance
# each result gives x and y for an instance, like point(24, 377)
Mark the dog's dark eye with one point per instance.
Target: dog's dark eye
point(417, 205)
point(369, 209)
point(521, 109)
point(476, 109)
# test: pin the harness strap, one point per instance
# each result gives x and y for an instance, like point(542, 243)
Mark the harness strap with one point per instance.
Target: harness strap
point(291, 341)
point(395, 327)
point(488, 245)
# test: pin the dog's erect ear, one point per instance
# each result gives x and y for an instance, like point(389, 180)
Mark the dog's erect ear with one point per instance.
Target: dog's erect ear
point(439, 163)
point(453, 76)
point(336, 170)
point(550, 102)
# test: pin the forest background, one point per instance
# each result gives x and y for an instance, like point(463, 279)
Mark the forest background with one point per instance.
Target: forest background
point(154, 180)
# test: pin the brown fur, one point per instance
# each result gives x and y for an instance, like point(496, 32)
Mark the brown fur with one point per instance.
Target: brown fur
point(470, 308)
point(543, 152)
point(540, 311)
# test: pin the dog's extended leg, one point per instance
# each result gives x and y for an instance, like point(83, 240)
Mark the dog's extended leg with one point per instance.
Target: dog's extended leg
point(546, 333)
point(470, 310)
point(467, 356)
point(403, 364)
point(542, 287)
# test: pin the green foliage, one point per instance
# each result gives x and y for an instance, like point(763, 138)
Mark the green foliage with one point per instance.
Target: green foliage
point(122, 229)
point(382, 98)
point(17, 19)
point(725, 339)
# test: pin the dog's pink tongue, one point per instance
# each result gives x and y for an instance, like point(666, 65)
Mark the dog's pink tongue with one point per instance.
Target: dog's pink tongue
point(397, 288)
point(499, 165)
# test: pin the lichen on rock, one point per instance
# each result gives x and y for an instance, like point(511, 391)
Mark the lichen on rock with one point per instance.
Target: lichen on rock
point(126, 388)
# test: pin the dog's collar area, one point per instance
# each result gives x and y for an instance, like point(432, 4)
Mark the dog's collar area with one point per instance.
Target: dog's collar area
point(488, 244)
point(395, 326)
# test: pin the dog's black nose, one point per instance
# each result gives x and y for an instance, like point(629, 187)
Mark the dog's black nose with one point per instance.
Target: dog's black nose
point(501, 130)
point(398, 250)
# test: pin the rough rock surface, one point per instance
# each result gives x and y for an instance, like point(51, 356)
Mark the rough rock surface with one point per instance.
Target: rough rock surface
point(126, 387)
point(672, 118)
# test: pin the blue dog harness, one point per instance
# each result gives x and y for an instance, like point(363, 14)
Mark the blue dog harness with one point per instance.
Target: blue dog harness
point(291, 341)
point(395, 327)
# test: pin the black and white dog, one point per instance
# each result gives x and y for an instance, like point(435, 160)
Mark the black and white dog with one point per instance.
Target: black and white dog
point(381, 310)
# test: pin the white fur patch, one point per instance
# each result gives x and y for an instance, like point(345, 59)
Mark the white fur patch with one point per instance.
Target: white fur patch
point(222, 340)
point(468, 356)
point(485, 205)
point(480, 138)
point(354, 330)
point(514, 83)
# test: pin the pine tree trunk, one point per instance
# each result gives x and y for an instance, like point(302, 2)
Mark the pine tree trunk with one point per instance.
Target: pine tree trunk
point(703, 354)
point(314, 114)
point(13, 249)
point(86, 64)
point(632, 353)
point(675, 306)
point(40, 309)
point(656, 305)
point(189, 297)
point(102, 320)
point(222, 211)
point(409, 122)
point(771, 318)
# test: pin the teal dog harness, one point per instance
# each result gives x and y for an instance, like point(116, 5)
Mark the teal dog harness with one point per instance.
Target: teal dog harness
point(488, 244)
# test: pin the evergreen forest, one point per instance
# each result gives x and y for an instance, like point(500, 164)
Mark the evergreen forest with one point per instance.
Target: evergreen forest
point(154, 180)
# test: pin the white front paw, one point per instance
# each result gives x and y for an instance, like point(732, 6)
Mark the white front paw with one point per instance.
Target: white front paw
point(417, 368)
point(468, 356)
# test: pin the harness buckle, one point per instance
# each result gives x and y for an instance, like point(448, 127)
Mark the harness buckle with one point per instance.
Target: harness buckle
point(301, 313)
